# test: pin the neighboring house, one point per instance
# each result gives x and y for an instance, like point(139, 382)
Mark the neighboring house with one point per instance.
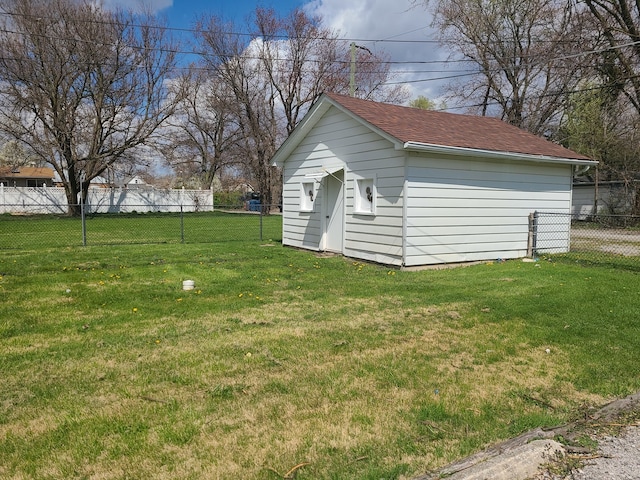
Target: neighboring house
point(97, 182)
point(410, 187)
point(611, 198)
point(136, 182)
point(100, 182)
point(244, 187)
point(26, 176)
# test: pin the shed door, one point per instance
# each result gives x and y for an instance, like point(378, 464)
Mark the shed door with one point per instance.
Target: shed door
point(333, 234)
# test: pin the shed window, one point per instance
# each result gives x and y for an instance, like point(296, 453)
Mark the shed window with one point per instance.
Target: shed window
point(365, 196)
point(307, 196)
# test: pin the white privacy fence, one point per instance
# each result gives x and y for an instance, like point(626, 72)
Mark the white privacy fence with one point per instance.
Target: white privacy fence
point(52, 200)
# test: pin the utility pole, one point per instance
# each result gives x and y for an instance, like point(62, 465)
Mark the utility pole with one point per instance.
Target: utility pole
point(352, 77)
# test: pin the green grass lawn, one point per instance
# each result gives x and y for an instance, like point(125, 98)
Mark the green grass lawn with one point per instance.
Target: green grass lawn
point(280, 357)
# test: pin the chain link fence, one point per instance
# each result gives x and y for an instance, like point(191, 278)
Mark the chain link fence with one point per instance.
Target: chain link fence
point(593, 238)
point(165, 224)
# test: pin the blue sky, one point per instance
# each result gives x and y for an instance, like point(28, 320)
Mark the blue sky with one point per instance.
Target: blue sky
point(396, 28)
point(182, 12)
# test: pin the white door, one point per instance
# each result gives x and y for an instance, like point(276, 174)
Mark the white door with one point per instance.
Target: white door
point(333, 234)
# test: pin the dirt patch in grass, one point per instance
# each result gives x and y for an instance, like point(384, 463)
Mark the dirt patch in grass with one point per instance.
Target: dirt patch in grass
point(43, 422)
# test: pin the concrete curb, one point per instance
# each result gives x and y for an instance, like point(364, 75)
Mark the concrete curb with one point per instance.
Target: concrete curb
point(521, 457)
point(517, 464)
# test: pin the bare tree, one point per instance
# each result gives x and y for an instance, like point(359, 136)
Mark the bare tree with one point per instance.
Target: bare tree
point(374, 79)
point(200, 137)
point(619, 23)
point(521, 53)
point(303, 59)
point(275, 74)
point(235, 62)
point(80, 86)
point(615, 61)
point(299, 57)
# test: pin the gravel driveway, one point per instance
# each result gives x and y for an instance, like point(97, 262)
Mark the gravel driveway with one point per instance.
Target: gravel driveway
point(623, 242)
point(617, 458)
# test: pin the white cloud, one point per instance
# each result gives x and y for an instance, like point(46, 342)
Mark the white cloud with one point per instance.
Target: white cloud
point(153, 6)
point(390, 22)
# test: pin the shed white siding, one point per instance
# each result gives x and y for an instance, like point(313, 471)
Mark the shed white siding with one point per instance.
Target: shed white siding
point(335, 140)
point(461, 209)
point(378, 236)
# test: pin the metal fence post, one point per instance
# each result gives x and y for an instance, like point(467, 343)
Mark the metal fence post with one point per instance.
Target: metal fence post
point(83, 218)
point(82, 215)
point(534, 232)
point(181, 225)
point(261, 213)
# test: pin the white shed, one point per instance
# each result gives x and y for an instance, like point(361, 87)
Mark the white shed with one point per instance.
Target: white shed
point(410, 187)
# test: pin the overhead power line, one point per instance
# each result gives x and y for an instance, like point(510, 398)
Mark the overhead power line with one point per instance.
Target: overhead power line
point(232, 33)
point(202, 53)
point(391, 39)
point(344, 62)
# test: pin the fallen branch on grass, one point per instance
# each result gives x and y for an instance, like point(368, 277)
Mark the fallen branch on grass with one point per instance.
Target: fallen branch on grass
point(291, 474)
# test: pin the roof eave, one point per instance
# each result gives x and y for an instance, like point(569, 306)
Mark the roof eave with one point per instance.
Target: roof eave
point(496, 155)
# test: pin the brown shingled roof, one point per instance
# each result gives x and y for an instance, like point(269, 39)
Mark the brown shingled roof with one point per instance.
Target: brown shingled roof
point(27, 172)
point(451, 130)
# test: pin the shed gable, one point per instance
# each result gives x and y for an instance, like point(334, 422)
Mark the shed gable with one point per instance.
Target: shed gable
point(338, 141)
